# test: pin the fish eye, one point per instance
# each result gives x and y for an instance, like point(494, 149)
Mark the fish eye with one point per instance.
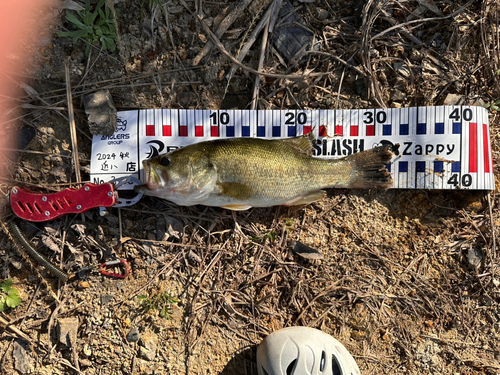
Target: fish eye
point(165, 161)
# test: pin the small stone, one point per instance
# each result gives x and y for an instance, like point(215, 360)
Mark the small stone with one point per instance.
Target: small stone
point(477, 102)
point(83, 284)
point(474, 257)
point(398, 96)
point(147, 350)
point(321, 13)
point(22, 360)
point(496, 283)
point(106, 298)
point(101, 113)
point(454, 99)
point(67, 330)
point(305, 251)
point(133, 335)
point(85, 362)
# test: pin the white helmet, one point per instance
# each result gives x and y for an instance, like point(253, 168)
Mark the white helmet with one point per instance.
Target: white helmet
point(304, 351)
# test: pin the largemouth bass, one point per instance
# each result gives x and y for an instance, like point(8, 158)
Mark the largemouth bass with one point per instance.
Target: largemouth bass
point(241, 173)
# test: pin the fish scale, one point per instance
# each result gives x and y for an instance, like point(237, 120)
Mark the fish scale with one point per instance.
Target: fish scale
point(246, 172)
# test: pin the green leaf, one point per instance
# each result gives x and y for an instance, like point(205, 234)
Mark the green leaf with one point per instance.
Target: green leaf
point(108, 43)
point(75, 21)
point(2, 304)
point(13, 299)
point(7, 285)
point(73, 34)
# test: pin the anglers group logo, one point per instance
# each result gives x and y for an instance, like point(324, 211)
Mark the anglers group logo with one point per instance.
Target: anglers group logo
point(155, 148)
point(122, 125)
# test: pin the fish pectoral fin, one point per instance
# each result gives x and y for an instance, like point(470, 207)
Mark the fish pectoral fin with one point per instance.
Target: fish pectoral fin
point(235, 190)
point(303, 143)
point(307, 198)
point(237, 207)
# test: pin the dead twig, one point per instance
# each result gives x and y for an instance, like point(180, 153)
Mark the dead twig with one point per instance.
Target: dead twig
point(16, 330)
point(251, 40)
point(221, 48)
point(72, 126)
point(255, 95)
point(224, 25)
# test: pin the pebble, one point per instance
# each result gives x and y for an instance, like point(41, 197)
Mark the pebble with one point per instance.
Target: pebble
point(133, 335)
point(398, 96)
point(101, 113)
point(474, 257)
point(22, 360)
point(67, 330)
point(85, 362)
point(454, 99)
point(106, 298)
point(147, 350)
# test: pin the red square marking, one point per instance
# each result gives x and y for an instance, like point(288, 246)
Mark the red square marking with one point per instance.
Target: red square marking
point(354, 130)
point(167, 130)
point(150, 130)
point(183, 131)
point(370, 130)
point(214, 131)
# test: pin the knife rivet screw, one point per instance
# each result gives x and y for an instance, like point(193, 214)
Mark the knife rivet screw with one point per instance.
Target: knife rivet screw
point(78, 207)
point(86, 188)
point(44, 199)
point(110, 193)
point(47, 213)
point(14, 191)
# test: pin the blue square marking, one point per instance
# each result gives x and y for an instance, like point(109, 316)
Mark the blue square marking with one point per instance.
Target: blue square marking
point(230, 131)
point(388, 166)
point(420, 166)
point(404, 129)
point(292, 131)
point(422, 128)
point(276, 131)
point(439, 129)
point(245, 131)
point(387, 129)
point(261, 131)
point(403, 166)
point(457, 128)
point(455, 167)
point(438, 166)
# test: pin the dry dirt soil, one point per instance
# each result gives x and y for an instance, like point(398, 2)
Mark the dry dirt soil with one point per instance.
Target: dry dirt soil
point(410, 280)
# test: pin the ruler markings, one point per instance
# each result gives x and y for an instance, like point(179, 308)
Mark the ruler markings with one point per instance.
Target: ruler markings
point(444, 147)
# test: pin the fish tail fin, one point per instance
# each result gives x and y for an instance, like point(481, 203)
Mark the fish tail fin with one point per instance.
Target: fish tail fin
point(370, 168)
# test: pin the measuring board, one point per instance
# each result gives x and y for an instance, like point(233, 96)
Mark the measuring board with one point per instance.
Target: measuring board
point(442, 147)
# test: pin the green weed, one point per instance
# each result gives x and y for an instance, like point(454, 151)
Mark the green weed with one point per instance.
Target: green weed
point(9, 296)
point(160, 301)
point(93, 26)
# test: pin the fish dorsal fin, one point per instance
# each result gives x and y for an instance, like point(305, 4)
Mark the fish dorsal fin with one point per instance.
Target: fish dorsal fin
point(303, 143)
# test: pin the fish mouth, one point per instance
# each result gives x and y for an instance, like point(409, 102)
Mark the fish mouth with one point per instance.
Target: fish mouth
point(154, 179)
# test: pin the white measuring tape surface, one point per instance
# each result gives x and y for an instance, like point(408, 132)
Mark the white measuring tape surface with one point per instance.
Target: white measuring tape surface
point(442, 147)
